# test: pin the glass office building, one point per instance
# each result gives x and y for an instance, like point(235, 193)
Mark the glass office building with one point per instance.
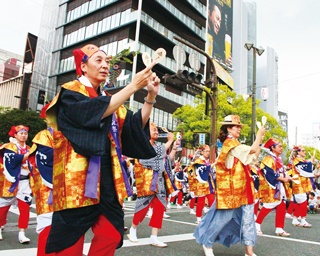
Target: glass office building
point(114, 25)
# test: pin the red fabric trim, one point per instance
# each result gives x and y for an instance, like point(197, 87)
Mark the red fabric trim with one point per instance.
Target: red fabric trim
point(250, 196)
point(92, 92)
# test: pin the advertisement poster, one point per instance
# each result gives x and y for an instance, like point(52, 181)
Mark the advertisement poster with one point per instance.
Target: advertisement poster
point(219, 36)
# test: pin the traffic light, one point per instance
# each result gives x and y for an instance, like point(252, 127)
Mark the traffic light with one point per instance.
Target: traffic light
point(189, 77)
point(200, 138)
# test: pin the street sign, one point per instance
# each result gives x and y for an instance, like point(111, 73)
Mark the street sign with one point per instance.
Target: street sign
point(202, 138)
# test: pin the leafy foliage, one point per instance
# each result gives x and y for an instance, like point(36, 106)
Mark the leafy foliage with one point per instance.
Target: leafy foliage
point(191, 120)
point(12, 117)
point(124, 56)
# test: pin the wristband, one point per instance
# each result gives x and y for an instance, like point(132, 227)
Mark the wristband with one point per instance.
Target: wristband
point(149, 102)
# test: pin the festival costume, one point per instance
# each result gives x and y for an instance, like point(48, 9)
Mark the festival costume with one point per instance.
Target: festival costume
point(15, 184)
point(89, 183)
point(230, 219)
point(153, 185)
point(202, 183)
point(272, 192)
point(303, 169)
point(179, 182)
point(42, 160)
point(255, 171)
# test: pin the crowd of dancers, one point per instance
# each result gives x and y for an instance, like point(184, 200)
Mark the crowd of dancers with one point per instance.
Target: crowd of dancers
point(95, 153)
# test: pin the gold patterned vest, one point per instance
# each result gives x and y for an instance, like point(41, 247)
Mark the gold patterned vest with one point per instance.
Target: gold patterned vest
point(266, 192)
point(70, 168)
point(234, 187)
point(4, 183)
point(143, 177)
point(200, 189)
point(41, 191)
point(305, 185)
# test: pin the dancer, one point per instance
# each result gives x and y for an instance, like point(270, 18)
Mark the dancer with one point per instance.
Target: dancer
point(272, 190)
point(42, 161)
point(15, 180)
point(303, 169)
point(231, 219)
point(153, 185)
point(203, 181)
point(91, 132)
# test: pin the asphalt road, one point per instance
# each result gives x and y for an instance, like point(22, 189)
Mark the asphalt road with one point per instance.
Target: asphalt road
point(177, 232)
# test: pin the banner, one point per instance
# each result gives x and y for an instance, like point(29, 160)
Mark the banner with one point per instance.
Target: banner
point(219, 36)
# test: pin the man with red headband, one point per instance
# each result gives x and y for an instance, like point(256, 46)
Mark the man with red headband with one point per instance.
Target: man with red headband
point(91, 131)
point(272, 190)
point(14, 179)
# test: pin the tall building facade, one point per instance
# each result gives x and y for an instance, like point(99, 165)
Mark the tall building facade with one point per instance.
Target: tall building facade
point(267, 82)
point(115, 25)
point(245, 31)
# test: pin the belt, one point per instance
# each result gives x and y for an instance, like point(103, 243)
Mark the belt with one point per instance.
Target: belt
point(24, 177)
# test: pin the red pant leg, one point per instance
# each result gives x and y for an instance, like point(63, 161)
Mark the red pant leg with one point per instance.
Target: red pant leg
point(192, 202)
point(200, 205)
point(157, 215)
point(291, 208)
point(139, 216)
point(3, 214)
point(106, 238)
point(280, 215)
point(301, 209)
point(210, 198)
point(76, 249)
point(172, 199)
point(24, 209)
point(42, 241)
point(262, 214)
point(180, 194)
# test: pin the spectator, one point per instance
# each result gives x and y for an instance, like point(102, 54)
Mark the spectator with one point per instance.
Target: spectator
point(312, 203)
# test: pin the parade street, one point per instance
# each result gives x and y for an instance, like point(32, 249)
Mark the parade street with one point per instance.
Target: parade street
point(177, 232)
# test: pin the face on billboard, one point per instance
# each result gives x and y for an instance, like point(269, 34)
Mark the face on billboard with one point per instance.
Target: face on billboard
point(219, 36)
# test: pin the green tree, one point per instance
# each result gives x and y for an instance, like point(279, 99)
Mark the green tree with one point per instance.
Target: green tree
point(192, 119)
point(12, 117)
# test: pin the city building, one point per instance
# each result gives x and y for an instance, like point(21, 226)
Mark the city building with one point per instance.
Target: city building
point(9, 69)
point(10, 65)
point(115, 25)
point(267, 82)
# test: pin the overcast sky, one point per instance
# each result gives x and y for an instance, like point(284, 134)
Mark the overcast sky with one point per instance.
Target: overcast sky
point(291, 27)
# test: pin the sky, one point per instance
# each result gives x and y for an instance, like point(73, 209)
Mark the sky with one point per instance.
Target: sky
point(18, 17)
point(290, 27)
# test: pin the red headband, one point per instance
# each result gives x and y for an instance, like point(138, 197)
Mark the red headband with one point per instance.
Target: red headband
point(16, 129)
point(82, 55)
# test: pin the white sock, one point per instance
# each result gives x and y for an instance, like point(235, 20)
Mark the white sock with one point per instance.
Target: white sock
point(133, 231)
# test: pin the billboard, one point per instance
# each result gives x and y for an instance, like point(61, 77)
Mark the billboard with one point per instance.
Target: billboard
point(283, 120)
point(219, 31)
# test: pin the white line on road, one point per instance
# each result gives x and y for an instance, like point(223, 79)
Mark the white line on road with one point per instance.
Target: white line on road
point(142, 241)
